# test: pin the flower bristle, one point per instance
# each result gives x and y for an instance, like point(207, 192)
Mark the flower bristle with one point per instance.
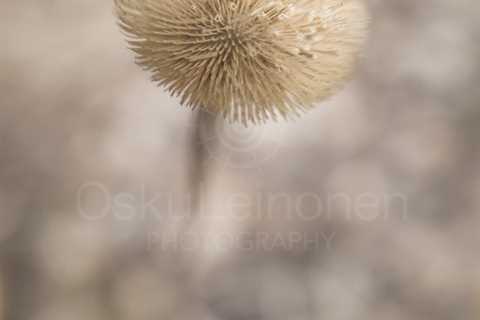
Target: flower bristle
point(250, 60)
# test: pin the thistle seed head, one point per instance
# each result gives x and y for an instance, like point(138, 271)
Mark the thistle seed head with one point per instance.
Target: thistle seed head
point(250, 60)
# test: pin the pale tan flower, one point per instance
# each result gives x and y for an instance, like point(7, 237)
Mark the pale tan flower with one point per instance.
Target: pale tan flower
point(250, 60)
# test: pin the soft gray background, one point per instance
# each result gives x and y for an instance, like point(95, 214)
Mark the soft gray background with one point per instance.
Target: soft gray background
point(76, 110)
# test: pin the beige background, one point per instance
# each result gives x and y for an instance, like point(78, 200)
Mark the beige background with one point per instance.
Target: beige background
point(78, 120)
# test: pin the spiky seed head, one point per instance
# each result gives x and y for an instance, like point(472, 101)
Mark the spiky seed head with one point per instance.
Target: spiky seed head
point(250, 60)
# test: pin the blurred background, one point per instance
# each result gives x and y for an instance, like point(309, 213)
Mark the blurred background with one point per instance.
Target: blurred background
point(365, 208)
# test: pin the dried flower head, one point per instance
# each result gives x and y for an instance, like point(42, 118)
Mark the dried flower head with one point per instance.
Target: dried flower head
point(250, 60)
